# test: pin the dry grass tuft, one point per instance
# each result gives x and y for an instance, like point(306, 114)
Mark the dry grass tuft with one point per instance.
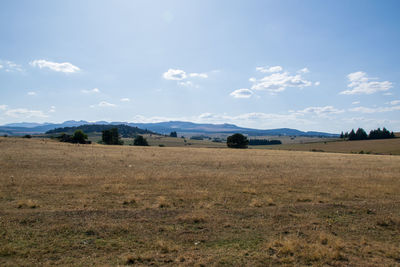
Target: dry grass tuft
point(193, 218)
point(28, 203)
point(162, 202)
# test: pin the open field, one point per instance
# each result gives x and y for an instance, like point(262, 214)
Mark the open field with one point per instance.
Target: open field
point(383, 146)
point(65, 204)
point(156, 140)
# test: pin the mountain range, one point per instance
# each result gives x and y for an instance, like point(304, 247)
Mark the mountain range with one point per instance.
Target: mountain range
point(160, 127)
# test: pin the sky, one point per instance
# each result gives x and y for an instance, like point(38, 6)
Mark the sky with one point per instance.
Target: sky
point(311, 65)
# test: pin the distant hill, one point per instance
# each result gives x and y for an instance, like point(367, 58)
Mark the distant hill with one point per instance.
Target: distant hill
point(161, 127)
point(124, 130)
point(190, 127)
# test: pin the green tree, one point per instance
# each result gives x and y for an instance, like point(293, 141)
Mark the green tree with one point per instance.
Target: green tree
point(111, 137)
point(140, 141)
point(173, 134)
point(237, 141)
point(79, 137)
point(361, 134)
point(352, 135)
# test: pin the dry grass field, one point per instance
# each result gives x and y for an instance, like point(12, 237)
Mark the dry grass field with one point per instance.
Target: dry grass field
point(155, 140)
point(384, 146)
point(65, 204)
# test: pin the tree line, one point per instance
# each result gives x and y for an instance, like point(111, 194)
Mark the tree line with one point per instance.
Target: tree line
point(264, 142)
point(361, 134)
point(124, 130)
point(108, 137)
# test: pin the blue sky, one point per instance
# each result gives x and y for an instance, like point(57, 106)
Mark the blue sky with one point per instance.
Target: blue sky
point(310, 65)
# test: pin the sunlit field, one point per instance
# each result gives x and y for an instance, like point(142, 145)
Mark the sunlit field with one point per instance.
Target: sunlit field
point(65, 204)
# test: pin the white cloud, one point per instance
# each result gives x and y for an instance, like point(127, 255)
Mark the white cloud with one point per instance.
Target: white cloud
point(394, 102)
point(31, 93)
point(183, 78)
point(175, 74)
point(93, 91)
point(270, 69)
point(3, 107)
point(278, 82)
point(106, 104)
point(9, 66)
point(188, 84)
point(65, 67)
point(321, 111)
point(355, 102)
point(52, 109)
point(125, 99)
point(317, 83)
point(25, 113)
point(374, 110)
point(304, 70)
point(360, 83)
point(242, 93)
point(388, 93)
point(199, 75)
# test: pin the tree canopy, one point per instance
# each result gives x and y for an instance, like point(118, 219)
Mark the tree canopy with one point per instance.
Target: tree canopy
point(140, 141)
point(111, 137)
point(237, 141)
point(360, 134)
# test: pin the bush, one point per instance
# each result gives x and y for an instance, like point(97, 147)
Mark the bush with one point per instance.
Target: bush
point(237, 141)
point(27, 136)
point(79, 137)
point(140, 141)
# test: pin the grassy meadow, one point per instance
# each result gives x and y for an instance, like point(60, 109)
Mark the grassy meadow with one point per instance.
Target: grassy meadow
point(66, 204)
point(383, 146)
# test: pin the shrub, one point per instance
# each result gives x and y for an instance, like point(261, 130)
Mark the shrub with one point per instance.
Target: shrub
point(237, 141)
point(140, 141)
point(79, 137)
point(27, 136)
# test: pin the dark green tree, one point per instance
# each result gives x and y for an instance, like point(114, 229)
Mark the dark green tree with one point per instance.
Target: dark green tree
point(111, 137)
point(173, 134)
point(352, 135)
point(341, 135)
point(140, 141)
point(79, 137)
point(361, 134)
point(237, 141)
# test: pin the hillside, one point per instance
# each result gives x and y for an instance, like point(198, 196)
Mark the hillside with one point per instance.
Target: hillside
point(123, 130)
point(383, 146)
point(95, 205)
point(164, 128)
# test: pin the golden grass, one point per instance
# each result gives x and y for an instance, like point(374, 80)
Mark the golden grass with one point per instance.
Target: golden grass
point(385, 146)
point(64, 204)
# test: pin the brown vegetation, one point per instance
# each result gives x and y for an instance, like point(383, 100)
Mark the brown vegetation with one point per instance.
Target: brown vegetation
point(383, 146)
point(66, 204)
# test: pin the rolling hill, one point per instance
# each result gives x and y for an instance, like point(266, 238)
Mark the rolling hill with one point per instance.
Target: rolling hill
point(161, 127)
point(124, 130)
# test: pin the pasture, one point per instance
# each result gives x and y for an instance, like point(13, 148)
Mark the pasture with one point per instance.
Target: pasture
point(383, 146)
point(66, 204)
